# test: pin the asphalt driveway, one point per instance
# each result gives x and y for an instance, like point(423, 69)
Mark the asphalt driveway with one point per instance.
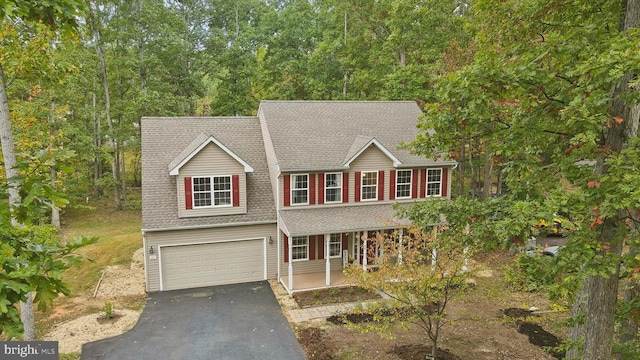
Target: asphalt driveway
point(242, 321)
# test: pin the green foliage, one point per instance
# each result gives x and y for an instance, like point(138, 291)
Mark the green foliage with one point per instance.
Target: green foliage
point(108, 310)
point(530, 273)
point(420, 272)
point(32, 261)
point(32, 258)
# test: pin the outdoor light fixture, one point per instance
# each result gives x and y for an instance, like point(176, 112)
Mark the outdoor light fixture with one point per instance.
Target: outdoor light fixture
point(270, 240)
point(151, 251)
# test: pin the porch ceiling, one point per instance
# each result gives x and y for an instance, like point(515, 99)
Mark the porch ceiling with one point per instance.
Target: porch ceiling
point(338, 219)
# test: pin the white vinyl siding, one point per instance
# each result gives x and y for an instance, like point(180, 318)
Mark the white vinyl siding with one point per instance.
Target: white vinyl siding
point(403, 184)
point(212, 162)
point(332, 188)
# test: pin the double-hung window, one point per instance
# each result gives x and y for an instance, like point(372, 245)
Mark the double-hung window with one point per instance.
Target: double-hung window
point(300, 189)
point(211, 191)
point(335, 246)
point(403, 184)
point(434, 182)
point(300, 248)
point(332, 187)
point(369, 185)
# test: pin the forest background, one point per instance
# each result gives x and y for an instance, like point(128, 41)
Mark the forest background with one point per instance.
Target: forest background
point(537, 100)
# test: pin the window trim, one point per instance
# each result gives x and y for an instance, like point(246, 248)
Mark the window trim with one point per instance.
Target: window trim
point(292, 189)
point(294, 246)
point(427, 182)
point(410, 183)
point(211, 191)
point(339, 188)
point(329, 242)
point(362, 186)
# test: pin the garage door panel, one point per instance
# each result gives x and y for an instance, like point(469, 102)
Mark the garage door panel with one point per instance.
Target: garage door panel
point(210, 264)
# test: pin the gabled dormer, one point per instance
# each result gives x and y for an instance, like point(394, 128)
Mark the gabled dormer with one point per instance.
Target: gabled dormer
point(210, 178)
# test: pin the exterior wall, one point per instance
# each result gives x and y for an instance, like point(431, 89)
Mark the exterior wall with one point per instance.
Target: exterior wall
point(212, 161)
point(371, 159)
point(311, 266)
point(210, 235)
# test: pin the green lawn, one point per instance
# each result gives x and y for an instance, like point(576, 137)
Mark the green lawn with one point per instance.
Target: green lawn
point(118, 233)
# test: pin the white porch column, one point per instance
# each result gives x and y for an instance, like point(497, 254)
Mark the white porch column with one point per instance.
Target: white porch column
point(364, 252)
point(290, 245)
point(400, 236)
point(434, 259)
point(327, 238)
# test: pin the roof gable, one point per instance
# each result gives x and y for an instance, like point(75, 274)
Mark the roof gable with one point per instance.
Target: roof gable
point(199, 143)
point(362, 143)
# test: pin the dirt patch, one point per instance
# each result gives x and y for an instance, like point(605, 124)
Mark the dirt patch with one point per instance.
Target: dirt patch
point(333, 296)
point(72, 334)
point(419, 352)
point(120, 285)
point(350, 318)
point(516, 312)
point(540, 337)
point(314, 343)
point(476, 330)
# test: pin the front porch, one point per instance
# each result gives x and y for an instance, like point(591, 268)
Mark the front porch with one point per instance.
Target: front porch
point(314, 281)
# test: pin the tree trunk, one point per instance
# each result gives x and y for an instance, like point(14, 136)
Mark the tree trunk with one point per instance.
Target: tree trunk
point(55, 211)
point(487, 186)
point(602, 291)
point(97, 142)
point(10, 162)
point(461, 167)
point(113, 143)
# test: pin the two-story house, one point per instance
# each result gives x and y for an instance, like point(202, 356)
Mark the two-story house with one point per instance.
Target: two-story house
point(294, 193)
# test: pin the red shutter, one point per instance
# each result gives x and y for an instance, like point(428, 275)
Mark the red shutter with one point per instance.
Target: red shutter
point(287, 190)
point(312, 247)
point(321, 190)
point(345, 242)
point(380, 185)
point(392, 185)
point(312, 189)
point(321, 246)
point(235, 189)
point(423, 183)
point(356, 183)
point(188, 195)
point(414, 184)
point(286, 247)
point(445, 181)
point(345, 187)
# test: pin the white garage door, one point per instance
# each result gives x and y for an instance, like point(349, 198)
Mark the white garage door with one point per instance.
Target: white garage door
point(189, 266)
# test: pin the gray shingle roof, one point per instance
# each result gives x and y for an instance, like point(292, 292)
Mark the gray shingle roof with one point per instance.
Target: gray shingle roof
point(165, 139)
point(323, 220)
point(320, 135)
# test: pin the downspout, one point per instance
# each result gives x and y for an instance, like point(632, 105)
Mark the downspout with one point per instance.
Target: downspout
point(144, 257)
point(278, 237)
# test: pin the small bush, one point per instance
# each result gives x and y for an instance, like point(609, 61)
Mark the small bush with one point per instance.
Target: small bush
point(108, 310)
point(530, 273)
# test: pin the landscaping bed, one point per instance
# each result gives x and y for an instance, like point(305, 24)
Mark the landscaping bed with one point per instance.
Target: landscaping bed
point(333, 296)
point(487, 322)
